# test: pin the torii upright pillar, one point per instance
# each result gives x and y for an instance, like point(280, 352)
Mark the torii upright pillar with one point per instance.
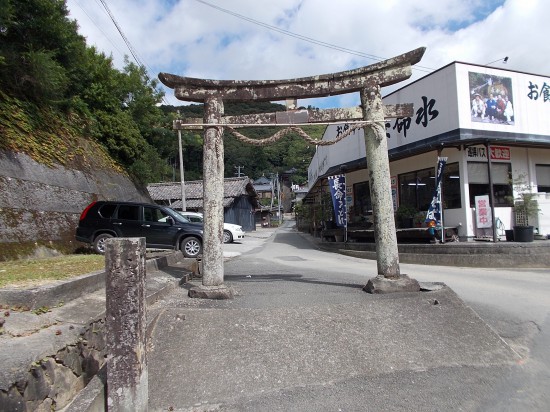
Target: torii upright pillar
point(367, 81)
point(389, 278)
point(213, 185)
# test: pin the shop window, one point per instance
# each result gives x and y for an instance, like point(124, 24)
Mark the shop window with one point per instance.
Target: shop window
point(362, 204)
point(478, 177)
point(417, 188)
point(543, 178)
point(450, 186)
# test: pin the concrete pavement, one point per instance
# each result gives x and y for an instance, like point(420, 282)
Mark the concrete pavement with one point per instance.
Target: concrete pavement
point(257, 355)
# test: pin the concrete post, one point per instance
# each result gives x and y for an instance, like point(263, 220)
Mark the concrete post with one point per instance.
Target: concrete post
point(213, 187)
point(389, 278)
point(182, 173)
point(125, 320)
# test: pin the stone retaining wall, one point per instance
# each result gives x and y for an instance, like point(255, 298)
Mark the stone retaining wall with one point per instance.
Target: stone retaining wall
point(40, 205)
point(53, 382)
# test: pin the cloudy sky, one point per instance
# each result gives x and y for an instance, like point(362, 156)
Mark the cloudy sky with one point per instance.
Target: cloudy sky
point(278, 39)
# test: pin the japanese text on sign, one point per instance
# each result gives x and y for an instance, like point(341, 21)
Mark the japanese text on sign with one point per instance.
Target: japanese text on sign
point(424, 115)
point(497, 152)
point(534, 92)
point(483, 212)
point(337, 185)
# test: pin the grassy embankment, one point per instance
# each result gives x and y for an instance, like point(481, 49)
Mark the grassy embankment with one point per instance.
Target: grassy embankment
point(32, 272)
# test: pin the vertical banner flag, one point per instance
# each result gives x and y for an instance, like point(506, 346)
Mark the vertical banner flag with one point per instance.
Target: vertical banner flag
point(434, 211)
point(337, 186)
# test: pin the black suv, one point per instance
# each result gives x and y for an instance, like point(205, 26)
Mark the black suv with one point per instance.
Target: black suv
point(162, 227)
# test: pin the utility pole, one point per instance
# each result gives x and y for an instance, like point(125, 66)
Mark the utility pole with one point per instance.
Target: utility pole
point(272, 190)
point(239, 170)
point(177, 126)
point(279, 199)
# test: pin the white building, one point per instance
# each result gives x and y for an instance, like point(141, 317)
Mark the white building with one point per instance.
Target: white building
point(456, 118)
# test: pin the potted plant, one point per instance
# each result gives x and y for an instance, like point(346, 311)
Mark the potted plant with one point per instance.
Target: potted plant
point(525, 206)
point(327, 211)
point(404, 216)
point(419, 219)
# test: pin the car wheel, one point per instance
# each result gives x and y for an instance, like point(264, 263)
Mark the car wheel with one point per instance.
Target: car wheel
point(191, 247)
point(99, 243)
point(227, 236)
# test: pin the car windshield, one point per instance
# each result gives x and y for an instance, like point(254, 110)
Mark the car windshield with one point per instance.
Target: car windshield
point(190, 216)
point(176, 214)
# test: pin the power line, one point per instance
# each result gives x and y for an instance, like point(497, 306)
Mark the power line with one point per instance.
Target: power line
point(133, 51)
point(305, 38)
point(107, 36)
point(99, 27)
point(128, 44)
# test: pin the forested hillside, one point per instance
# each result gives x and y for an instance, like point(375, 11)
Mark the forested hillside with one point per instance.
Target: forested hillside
point(60, 98)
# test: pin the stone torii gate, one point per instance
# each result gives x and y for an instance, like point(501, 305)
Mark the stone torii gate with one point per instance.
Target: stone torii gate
point(367, 81)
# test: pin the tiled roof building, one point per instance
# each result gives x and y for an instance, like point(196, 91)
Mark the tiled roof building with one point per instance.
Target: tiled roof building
point(169, 193)
point(240, 200)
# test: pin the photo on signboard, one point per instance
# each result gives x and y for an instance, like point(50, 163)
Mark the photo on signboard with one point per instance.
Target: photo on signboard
point(491, 99)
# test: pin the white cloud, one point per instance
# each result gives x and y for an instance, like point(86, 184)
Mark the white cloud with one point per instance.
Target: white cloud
point(190, 38)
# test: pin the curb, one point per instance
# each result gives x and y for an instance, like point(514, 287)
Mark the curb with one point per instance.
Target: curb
point(63, 291)
point(464, 254)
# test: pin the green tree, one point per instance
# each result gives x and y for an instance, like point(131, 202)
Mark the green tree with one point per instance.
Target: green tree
point(40, 47)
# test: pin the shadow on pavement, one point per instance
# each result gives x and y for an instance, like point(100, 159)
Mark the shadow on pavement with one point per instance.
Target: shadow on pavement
point(287, 278)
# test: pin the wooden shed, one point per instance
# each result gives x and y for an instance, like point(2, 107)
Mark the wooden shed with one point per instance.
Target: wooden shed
point(240, 200)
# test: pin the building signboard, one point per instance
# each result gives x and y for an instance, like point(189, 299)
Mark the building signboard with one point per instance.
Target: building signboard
point(483, 212)
point(467, 97)
point(498, 153)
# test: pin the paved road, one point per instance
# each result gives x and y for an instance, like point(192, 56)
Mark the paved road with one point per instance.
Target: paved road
point(514, 302)
point(286, 285)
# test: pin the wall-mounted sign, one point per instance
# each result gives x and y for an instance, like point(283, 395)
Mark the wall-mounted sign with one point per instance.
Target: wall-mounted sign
point(498, 153)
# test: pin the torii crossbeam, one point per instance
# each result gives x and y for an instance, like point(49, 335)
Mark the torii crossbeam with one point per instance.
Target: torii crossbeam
point(367, 81)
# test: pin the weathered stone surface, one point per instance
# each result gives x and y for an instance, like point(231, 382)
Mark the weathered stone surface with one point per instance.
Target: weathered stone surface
point(92, 397)
point(403, 283)
point(213, 172)
point(95, 336)
point(70, 357)
point(38, 385)
point(12, 401)
point(64, 384)
point(53, 381)
point(46, 405)
point(387, 255)
point(91, 361)
point(126, 324)
point(387, 72)
point(211, 292)
point(311, 115)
